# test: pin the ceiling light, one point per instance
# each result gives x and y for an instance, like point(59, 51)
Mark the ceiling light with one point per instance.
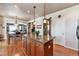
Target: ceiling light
point(15, 6)
point(28, 11)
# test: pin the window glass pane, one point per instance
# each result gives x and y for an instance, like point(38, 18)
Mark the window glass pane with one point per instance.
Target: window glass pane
point(12, 28)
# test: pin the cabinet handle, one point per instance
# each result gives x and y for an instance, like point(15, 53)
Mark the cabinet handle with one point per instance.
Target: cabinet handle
point(49, 47)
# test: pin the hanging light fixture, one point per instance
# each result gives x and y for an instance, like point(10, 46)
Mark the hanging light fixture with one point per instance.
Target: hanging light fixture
point(16, 20)
point(44, 14)
point(45, 19)
point(34, 15)
point(16, 23)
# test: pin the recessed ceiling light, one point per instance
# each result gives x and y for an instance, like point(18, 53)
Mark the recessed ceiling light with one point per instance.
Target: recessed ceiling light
point(28, 11)
point(15, 6)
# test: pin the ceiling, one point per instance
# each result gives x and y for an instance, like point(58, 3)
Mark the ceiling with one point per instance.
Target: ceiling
point(26, 10)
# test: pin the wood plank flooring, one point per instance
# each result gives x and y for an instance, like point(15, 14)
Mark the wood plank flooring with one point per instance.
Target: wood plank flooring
point(18, 50)
point(59, 50)
point(14, 50)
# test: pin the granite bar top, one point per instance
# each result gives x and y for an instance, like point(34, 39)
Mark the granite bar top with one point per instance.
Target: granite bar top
point(42, 39)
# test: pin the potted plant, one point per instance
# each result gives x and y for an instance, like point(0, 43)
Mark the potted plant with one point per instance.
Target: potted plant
point(37, 33)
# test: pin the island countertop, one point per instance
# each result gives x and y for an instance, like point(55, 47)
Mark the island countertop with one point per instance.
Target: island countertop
point(42, 39)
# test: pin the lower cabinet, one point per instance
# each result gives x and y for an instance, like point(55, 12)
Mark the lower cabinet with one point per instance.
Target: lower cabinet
point(48, 48)
point(39, 49)
point(32, 47)
point(28, 48)
point(36, 48)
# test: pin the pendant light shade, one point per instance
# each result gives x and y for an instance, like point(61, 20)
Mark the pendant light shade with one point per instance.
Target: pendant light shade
point(44, 21)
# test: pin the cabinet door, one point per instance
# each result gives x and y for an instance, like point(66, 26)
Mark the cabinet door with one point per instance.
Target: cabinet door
point(25, 45)
point(28, 47)
point(32, 45)
point(48, 49)
point(39, 49)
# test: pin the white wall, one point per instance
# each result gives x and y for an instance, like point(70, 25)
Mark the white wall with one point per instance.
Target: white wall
point(39, 21)
point(64, 28)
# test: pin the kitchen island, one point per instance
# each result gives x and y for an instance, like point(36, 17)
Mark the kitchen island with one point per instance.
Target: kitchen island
point(40, 46)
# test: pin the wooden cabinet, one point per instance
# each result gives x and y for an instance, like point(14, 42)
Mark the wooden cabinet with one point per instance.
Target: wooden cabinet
point(36, 48)
point(39, 49)
point(48, 48)
point(28, 47)
point(32, 47)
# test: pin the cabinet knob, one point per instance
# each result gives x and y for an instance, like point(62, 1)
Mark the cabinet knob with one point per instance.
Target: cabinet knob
point(49, 46)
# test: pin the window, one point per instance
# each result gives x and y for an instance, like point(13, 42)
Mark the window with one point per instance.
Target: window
point(11, 28)
point(22, 28)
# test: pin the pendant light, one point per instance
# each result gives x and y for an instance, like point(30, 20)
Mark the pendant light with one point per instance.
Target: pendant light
point(34, 15)
point(16, 20)
point(44, 14)
point(45, 19)
point(16, 24)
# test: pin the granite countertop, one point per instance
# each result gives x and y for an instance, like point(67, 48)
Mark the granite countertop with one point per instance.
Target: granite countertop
point(43, 39)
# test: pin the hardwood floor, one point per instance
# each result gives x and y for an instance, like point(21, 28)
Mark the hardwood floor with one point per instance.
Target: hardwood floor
point(18, 50)
point(59, 50)
point(14, 49)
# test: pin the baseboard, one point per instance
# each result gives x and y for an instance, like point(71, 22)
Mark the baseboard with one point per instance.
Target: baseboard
point(71, 48)
point(67, 47)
